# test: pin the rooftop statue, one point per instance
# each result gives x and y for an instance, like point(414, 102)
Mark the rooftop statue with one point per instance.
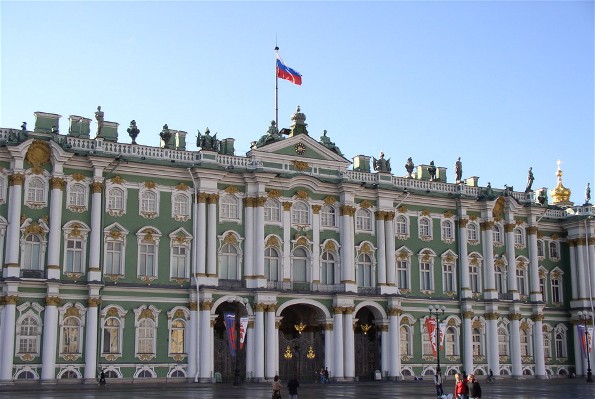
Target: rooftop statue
point(409, 166)
point(99, 118)
point(325, 141)
point(381, 164)
point(165, 136)
point(458, 170)
point(530, 179)
point(133, 131)
point(587, 195)
point(271, 136)
point(432, 171)
point(206, 141)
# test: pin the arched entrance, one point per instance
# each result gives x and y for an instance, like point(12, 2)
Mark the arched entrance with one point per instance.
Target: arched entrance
point(301, 343)
point(367, 345)
point(226, 365)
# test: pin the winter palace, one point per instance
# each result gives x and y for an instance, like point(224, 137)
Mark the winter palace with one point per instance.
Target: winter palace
point(155, 262)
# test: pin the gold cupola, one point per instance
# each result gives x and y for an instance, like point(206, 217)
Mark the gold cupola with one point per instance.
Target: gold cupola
point(560, 195)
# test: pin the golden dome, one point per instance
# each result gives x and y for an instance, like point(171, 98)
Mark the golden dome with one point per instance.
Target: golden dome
point(560, 195)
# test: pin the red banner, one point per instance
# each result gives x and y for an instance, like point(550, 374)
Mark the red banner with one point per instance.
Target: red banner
point(431, 326)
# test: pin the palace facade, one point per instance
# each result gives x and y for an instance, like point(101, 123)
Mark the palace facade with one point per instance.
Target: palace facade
point(126, 258)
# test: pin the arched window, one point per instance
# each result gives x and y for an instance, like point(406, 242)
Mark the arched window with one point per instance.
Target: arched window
point(547, 345)
point(447, 230)
point(554, 253)
point(300, 213)
point(364, 271)
point(26, 375)
point(36, 190)
point(561, 345)
point(176, 337)
point(497, 234)
point(115, 199)
point(76, 195)
point(228, 262)
point(230, 208)
point(327, 272)
point(181, 205)
point(71, 335)
point(406, 341)
point(363, 220)
point(503, 341)
point(28, 336)
point(148, 203)
point(299, 262)
point(472, 232)
point(111, 336)
point(557, 288)
point(272, 210)
point(424, 228)
point(401, 225)
point(271, 264)
point(540, 251)
point(519, 237)
point(328, 216)
point(452, 346)
point(476, 340)
point(525, 343)
point(31, 253)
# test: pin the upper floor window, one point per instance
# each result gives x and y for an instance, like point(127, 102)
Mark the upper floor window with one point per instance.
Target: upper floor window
point(230, 207)
point(425, 228)
point(449, 280)
point(472, 232)
point(519, 237)
point(149, 203)
point(328, 216)
point(36, 190)
point(554, 251)
point(363, 220)
point(116, 201)
point(31, 253)
point(327, 268)
point(447, 230)
point(272, 210)
point(300, 213)
point(557, 288)
point(180, 207)
point(228, 262)
point(148, 252)
point(401, 225)
point(403, 274)
point(271, 264)
point(540, 250)
point(77, 196)
point(497, 234)
point(364, 271)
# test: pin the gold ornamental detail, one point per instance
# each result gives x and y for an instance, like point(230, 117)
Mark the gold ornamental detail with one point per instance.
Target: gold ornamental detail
point(52, 300)
point(16, 179)
point(274, 194)
point(57, 183)
point(150, 185)
point(316, 209)
point(78, 177)
point(330, 200)
point(287, 206)
point(231, 190)
point(182, 187)
point(300, 165)
point(117, 180)
point(301, 194)
point(38, 155)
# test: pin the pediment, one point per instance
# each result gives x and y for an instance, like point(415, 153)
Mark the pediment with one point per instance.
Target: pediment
point(302, 148)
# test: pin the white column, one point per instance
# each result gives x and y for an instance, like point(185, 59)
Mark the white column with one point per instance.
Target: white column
point(467, 342)
point(201, 235)
point(581, 269)
point(380, 238)
point(393, 344)
point(349, 344)
point(193, 338)
point(249, 348)
point(259, 242)
point(328, 345)
point(337, 369)
point(464, 259)
point(259, 342)
point(249, 235)
point(492, 342)
point(53, 265)
point(538, 355)
point(91, 338)
point(488, 251)
point(515, 345)
point(389, 225)
point(591, 265)
point(271, 343)
point(385, 351)
point(50, 331)
point(212, 237)
point(8, 332)
point(511, 255)
point(287, 241)
point(15, 194)
point(579, 359)
point(316, 244)
point(206, 350)
point(95, 234)
point(573, 269)
point(534, 291)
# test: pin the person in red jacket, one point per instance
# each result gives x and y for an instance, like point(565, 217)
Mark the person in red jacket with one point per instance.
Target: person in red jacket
point(461, 390)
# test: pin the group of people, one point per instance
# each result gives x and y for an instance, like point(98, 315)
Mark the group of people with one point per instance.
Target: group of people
point(292, 387)
point(324, 376)
point(466, 387)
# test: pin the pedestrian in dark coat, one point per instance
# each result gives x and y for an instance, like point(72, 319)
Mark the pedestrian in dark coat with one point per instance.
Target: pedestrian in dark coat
point(474, 388)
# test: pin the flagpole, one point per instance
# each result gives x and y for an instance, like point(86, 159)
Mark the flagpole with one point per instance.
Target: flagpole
point(276, 91)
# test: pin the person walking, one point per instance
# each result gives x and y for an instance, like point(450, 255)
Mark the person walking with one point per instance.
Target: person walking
point(293, 386)
point(276, 387)
point(474, 388)
point(461, 390)
point(326, 376)
point(102, 377)
point(438, 383)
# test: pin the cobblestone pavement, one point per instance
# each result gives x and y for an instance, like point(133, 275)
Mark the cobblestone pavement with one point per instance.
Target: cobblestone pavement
point(501, 389)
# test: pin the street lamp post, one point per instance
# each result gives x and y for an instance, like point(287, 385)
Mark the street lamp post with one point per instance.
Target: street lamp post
point(435, 312)
point(584, 317)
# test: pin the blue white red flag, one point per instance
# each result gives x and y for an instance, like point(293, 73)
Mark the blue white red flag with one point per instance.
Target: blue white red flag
point(285, 72)
point(230, 326)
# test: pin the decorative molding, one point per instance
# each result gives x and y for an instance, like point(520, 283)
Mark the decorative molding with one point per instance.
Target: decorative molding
point(300, 165)
point(274, 194)
point(57, 183)
point(231, 189)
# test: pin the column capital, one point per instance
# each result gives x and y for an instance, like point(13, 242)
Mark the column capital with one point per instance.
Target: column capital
point(96, 187)
point(380, 215)
point(260, 201)
point(260, 307)
point(327, 326)
point(395, 311)
point(509, 227)
point(201, 198)
point(532, 230)
point(10, 299)
point(463, 222)
point(287, 205)
point(487, 225)
point(52, 300)
point(591, 240)
point(57, 183)
point(389, 216)
point(249, 202)
point(491, 316)
point(337, 310)
point(271, 307)
point(193, 306)
point(206, 305)
point(537, 317)
point(346, 210)
point(213, 198)
point(468, 314)
point(16, 179)
point(93, 302)
point(514, 316)
point(316, 209)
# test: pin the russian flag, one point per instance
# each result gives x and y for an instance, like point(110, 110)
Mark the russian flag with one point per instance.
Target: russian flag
point(285, 72)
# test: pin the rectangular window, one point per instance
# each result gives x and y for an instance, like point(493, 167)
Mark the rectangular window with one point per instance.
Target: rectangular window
point(556, 291)
point(113, 257)
point(402, 274)
point(426, 276)
point(178, 262)
point(74, 256)
point(147, 260)
point(474, 279)
point(449, 278)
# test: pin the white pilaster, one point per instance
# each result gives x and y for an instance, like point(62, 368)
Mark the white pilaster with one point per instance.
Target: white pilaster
point(393, 344)
point(259, 342)
point(95, 234)
point(337, 369)
point(250, 241)
point(192, 337)
point(201, 235)
point(535, 291)
point(286, 241)
point(91, 331)
point(573, 269)
point(261, 281)
point(492, 344)
point(316, 244)
point(515, 346)
point(581, 269)
point(391, 272)
point(579, 359)
point(8, 332)
point(328, 345)
point(488, 251)
point(212, 237)
point(467, 343)
point(15, 198)
point(381, 251)
point(511, 255)
point(50, 331)
point(53, 265)
point(349, 344)
point(205, 350)
point(538, 355)
point(271, 343)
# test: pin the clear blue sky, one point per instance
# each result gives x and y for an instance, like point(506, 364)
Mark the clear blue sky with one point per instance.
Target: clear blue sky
point(504, 85)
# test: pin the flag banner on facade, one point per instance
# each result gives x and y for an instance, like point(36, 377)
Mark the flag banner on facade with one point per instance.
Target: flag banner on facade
point(230, 326)
point(431, 327)
point(442, 334)
point(285, 72)
point(584, 337)
point(243, 329)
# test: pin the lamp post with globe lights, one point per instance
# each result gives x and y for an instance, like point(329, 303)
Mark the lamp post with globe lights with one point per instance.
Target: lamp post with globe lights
point(436, 311)
point(585, 317)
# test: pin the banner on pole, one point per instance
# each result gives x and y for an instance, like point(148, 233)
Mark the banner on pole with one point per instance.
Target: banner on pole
point(243, 329)
point(431, 327)
point(230, 326)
